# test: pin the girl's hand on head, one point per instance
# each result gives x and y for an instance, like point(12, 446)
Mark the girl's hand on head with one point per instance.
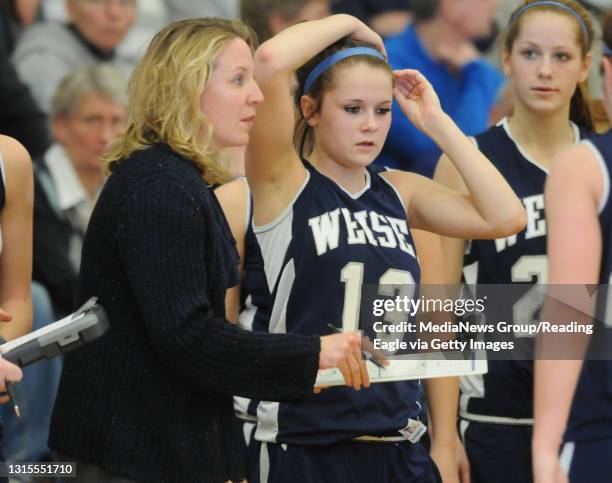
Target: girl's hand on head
point(417, 98)
point(365, 34)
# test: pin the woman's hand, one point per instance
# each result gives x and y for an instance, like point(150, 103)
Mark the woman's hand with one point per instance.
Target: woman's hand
point(417, 99)
point(344, 352)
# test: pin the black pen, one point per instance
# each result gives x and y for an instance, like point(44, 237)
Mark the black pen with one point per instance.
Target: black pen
point(10, 390)
point(365, 354)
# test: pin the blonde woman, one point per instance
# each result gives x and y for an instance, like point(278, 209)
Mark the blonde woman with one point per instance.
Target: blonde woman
point(151, 401)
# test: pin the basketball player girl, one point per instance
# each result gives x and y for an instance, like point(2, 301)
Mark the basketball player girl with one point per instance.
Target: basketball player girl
point(579, 211)
point(546, 56)
point(250, 307)
point(328, 226)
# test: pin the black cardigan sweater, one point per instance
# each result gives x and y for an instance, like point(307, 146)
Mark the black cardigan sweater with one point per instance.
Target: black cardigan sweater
point(152, 399)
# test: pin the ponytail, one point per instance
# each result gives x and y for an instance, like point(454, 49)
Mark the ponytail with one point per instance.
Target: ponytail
point(582, 111)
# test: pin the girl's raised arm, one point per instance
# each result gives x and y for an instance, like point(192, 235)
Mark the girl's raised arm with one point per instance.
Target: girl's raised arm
point(273, 167)
point(490, 209)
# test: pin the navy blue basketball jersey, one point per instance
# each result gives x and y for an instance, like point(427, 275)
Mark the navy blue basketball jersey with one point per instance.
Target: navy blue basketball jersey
point(505, 393)
point(591, 414)
point(322, 256)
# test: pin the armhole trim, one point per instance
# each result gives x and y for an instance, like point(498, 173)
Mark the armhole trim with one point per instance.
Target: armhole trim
point(397, 193)
point(249, 204)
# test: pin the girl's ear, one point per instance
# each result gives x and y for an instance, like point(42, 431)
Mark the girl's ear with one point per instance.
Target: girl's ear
point(310, 110)
point(586, 67)
point(506, 63)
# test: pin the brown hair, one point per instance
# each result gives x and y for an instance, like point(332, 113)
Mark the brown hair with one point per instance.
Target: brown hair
point(164, 93)
point(303, 137)
point(581, 106)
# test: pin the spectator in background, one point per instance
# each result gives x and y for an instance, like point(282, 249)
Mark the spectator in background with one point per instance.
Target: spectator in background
point(269, 17)
point(48, 51)
point(440, 45)
point(151, 17)
point(20, 117)
point(181, 9)
point(88, 110)
point(15, 15)
point(387, 17)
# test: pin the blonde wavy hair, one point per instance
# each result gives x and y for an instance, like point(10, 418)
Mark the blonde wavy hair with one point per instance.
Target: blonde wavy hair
point(164, 93)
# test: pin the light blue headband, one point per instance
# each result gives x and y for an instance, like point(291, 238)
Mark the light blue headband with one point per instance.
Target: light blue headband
point(335, 58)
point(551, 3)
point(607, 51)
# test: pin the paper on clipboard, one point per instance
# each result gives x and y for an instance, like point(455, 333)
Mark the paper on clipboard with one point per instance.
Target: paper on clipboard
point(421, 367)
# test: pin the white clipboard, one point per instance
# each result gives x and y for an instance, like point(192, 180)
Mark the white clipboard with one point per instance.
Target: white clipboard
point(86, 324)
point(423, 366)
